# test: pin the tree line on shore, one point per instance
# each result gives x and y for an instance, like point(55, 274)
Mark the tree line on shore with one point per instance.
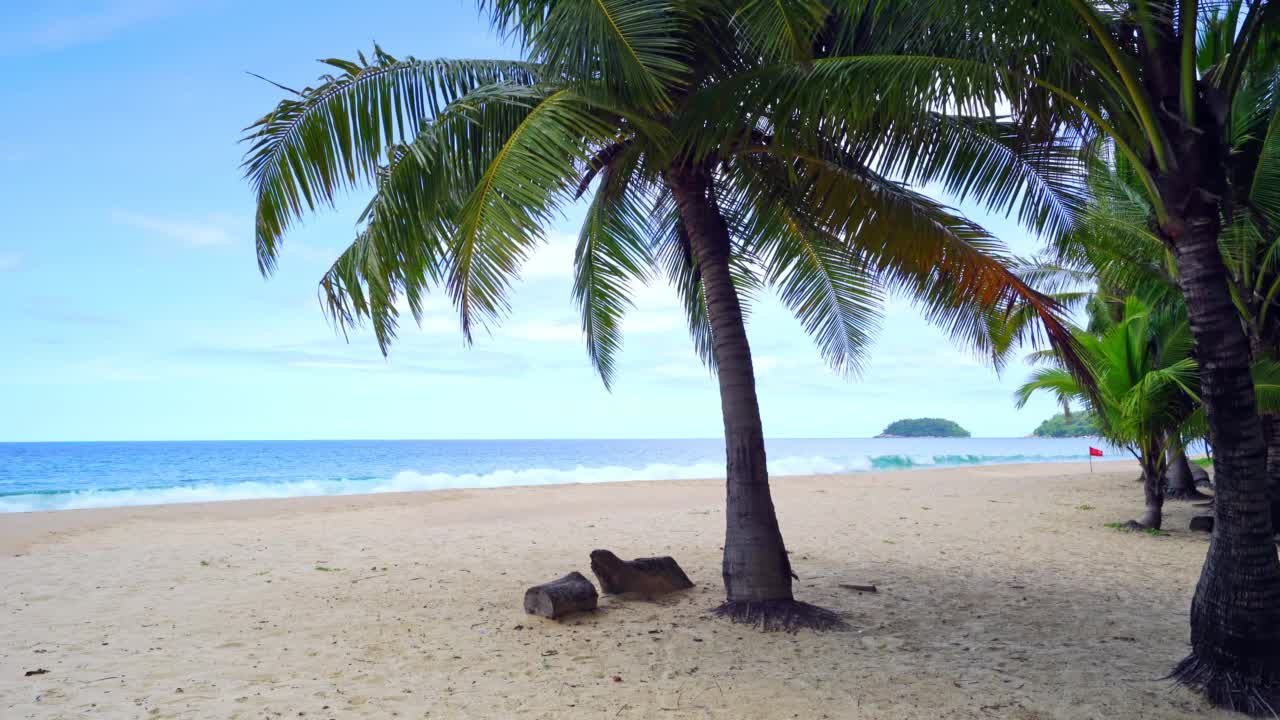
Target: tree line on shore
point(734, 147)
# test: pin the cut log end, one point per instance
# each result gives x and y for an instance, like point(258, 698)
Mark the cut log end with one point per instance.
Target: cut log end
point(650, 576)
point(570, 594)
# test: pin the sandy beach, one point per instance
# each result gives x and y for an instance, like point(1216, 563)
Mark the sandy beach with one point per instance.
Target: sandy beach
point(1002, 595)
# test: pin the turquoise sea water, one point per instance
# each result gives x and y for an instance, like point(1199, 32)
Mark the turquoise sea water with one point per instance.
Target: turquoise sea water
point(59, 476)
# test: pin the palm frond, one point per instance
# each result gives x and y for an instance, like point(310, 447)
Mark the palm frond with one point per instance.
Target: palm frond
point(535, 169)
point(334, 136)
point(992, 163)
point(635, 48)
point(613, 253)
point(1057, 381)
point(781, 30)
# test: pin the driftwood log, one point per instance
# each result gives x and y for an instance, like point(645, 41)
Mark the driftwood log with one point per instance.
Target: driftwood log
point(859, 588)
point(647, 576)
point(571, 593)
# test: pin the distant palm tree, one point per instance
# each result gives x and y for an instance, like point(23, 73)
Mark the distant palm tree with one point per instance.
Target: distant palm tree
point(643, 104)
point(1145, 389)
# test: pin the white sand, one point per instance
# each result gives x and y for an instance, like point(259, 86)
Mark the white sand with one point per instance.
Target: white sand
point(999, 598)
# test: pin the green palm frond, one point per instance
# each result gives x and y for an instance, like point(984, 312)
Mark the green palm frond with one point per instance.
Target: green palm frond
point(829, 287)
point(613, 253)
point(1264, 188)
point(956, 272)
point(830, 290)
point(411, 224)
point(781, 30)
point(335, 135)
point(534, 171)
point(634, 48)
point(1057, 381)
point(992, 163)
point(674, 254)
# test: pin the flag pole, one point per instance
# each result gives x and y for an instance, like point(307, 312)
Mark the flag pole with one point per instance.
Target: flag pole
point(1090, 461)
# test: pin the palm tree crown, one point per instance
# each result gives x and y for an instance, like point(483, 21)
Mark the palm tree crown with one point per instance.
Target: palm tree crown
point(471, 161)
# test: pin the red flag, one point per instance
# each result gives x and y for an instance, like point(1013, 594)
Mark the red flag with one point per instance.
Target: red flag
point(1094, 452)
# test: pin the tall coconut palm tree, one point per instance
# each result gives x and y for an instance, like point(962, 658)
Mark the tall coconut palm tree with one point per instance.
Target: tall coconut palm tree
point(1129, 73)
point(1146, 387)
point(471, 161)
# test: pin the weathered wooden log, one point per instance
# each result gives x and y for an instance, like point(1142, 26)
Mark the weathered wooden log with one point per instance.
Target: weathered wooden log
point(859, 588)
point(648, 576)
point(571, 593)
point(1202, 523)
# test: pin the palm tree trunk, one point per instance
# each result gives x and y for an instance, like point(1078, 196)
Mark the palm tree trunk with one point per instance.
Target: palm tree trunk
point(1271, 435)
point(757, 572)
point(1153, 495)
point(1180, 484)
point(1235, 614)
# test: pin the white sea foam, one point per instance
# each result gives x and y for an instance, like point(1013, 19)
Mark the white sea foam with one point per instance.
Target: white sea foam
point(410, 480)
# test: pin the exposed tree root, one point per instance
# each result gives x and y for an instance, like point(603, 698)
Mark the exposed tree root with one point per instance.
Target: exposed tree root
point(781, 615)
point(1255, 694)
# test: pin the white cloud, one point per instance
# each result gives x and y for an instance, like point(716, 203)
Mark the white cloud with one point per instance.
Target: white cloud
point(764, 363)
point(648, 321)
point(331, 365)
point(655, 294)
point(10, 261)
point(544, 331)
point(54, 32)
point(554, 259)
point(210, 231)
point(682, 370)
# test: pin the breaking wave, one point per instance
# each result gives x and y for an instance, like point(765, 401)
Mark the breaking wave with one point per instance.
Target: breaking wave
point(410, 480)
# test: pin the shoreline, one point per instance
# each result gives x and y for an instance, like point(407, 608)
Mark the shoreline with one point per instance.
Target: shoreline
point(410, 481)
point(13, 525)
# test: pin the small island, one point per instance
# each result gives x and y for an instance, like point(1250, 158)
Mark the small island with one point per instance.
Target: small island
point(1068, 426)
point(924, 428)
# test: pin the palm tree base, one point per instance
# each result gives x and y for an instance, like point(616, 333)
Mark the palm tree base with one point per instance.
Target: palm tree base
point(781, 615)
point(1190, 494)
point(1254, 692)
point(1135, 526)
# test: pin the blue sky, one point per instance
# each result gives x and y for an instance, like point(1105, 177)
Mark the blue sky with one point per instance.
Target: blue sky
point(136, 311)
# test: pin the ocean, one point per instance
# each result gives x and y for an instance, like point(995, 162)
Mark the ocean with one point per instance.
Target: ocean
point(62, 476)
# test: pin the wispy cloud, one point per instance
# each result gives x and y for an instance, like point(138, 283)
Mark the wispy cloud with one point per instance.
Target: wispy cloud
point(651, 321)
point(10, 261)
point(53, 29)
point(555, 259)
point(58, 310)
point(545, 331)
point(209, 231)
point(327, 358)
point(682, 371)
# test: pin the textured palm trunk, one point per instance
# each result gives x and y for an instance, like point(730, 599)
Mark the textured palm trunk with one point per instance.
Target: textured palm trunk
point(1152, 494)
point(757, 572)
point(1180, 484)
point(1271, 435)
point(1235, 614)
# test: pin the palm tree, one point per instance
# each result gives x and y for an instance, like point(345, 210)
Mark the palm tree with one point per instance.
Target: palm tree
point(1145, 387)
point(472, 160)
point(1127, 73)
